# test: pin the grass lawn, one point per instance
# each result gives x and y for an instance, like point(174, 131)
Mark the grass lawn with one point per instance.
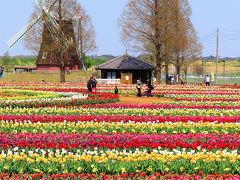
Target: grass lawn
point(53, 76)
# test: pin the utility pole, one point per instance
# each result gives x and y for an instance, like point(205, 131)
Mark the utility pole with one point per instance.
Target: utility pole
point(81, 36)
point(217, 56)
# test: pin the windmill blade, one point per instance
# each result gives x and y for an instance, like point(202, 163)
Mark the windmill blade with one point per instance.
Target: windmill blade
point(47, 7)
point(12, 41)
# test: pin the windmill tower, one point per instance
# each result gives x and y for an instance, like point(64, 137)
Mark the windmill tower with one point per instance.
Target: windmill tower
point(58, 47)
point(49, 50)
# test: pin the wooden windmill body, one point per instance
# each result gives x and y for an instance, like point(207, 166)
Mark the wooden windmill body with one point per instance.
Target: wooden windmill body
point(48, 55)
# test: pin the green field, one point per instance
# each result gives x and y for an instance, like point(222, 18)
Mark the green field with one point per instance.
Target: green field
point(47, 76)
point(231, 67)
point(19, 62)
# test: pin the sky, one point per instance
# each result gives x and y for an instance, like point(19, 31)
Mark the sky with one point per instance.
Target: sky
point(207, 16)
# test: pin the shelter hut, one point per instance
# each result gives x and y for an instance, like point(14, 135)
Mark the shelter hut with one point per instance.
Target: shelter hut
point(19, 69)
point(126, 68)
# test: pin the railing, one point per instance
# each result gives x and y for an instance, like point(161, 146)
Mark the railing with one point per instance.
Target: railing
point(108, 81)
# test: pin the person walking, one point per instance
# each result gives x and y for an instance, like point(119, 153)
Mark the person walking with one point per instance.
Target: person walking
point(139, 88)
point(207, 80)
point(116, 90)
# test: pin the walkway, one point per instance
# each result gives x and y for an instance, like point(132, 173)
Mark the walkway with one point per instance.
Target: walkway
point(142, 100)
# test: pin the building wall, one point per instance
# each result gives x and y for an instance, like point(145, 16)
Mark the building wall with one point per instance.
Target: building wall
point(142, 75)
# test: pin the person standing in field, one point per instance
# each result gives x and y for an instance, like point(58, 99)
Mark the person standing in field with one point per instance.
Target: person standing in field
point(139, 88)
point(94, 84)
point(149, 89)
point(90, 85)
point(116, 90)
point(207, 80)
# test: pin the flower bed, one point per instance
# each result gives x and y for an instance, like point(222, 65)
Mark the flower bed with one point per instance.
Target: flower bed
point(63, 132)
point(142, 175)
point(116, 118)
point(120, 127)
point(38, 99)
point(114, 162)
point(170, 105)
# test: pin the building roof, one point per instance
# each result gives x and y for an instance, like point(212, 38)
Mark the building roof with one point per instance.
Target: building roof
point(25, 67)
point(125, 62)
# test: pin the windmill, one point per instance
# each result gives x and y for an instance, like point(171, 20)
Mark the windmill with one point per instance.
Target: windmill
point(58, 46)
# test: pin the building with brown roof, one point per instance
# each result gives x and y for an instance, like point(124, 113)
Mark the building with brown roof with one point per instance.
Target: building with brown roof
point(126, 68)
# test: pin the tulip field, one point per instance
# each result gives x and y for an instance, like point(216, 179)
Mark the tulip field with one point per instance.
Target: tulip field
point(60, 131)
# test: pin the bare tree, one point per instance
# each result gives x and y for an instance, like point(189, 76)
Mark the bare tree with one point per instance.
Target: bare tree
point(142, 24)
point(71, 9)
point(191, 54)
point(186, 45)
point(162, 30)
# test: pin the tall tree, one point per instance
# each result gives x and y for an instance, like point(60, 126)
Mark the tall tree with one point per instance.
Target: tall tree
point(186, 46)
point(142, 24)
point(70, 9)
point(160, 29)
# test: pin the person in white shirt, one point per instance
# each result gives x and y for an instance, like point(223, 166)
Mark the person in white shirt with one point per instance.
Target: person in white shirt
point(207, 80)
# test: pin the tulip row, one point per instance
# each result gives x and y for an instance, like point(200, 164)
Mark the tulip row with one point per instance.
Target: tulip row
point(117, 162)
point(117, 118)
point(112, 141)
point(10, 94)
point(118, 111)
point(209, 99)
point(198, 93)
point(200, 96)
point(169, 105)
point(68, 99)
point(102, 176)
point(99, 128)
point(208, 103)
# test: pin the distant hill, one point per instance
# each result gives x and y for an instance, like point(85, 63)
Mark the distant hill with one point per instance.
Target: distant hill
point(213, 58)
point(24, 57)
point(103, 57)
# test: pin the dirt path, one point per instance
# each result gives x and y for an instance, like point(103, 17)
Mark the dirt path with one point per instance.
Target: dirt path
point(142, 100)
